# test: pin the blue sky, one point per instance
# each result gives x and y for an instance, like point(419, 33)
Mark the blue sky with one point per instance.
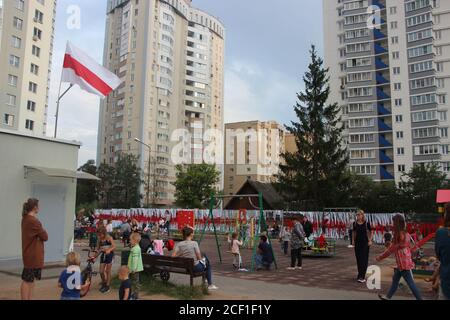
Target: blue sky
point(267, 45)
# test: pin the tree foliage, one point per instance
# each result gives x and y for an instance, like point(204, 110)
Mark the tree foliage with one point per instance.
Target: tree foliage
point(194, 185)
point(87, 189)
point(313, 174)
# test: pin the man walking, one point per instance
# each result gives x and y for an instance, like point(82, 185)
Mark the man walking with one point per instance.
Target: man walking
point(298, 235)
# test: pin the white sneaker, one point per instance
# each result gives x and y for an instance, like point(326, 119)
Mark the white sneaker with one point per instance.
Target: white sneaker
point(212, 287)
point(299, 268)
point(290, 268)
point(350, 246)
point(243, 270)
point(362, 280)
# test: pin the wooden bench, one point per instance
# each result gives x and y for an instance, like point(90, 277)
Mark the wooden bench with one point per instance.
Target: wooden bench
point(164, 265)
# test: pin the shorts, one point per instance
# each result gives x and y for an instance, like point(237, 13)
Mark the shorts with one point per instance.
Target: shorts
point(107, 258)
point(30, 275)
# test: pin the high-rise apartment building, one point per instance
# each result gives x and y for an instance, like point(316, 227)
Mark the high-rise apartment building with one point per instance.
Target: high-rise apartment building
point(170, 57)
point(26, 43)
point(252, 151)
point(389, 65)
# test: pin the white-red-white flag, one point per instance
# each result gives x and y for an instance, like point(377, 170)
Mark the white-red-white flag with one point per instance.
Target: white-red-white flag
point(82, 70)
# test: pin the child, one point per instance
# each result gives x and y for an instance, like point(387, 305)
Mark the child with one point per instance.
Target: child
point(70, 279)
point(93, 239)
point(285, 237)
point(387, 239)
point(401, 247)
point(106, 246)
point(158, 247)
point(125, 286)
point(135, 264)
point(235, 244)
point(264, 257)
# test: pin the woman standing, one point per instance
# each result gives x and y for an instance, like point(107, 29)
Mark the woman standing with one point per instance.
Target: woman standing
point(362, 240)
point(442, 246)
point(401, 247)
point(33, 238)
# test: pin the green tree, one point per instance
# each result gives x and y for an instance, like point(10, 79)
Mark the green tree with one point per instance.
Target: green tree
point(87, 189)
point(194, 185)
point(362, 192)
point(314, 173)
point(107, 174)
point(127, 182)
point(419, 187)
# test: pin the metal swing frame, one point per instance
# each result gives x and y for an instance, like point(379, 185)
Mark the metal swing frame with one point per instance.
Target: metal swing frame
point(260, 229)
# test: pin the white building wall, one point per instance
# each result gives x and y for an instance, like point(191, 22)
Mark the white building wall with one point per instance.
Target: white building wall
point(20, 150)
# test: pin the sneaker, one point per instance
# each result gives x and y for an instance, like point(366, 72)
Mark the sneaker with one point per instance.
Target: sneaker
point(106, 289)
point(212, 287)
point(362, 280)
point(102, 289)
point(350, 246)
point(290, 268)
point(243, 270)
point(299, 268)
point(383, 297)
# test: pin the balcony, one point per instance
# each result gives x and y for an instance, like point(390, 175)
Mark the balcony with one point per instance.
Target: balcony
point(385, 174)
point(381, 79)
point(379, 49)
point(379, 64)
point(384, 142)
point(378, 34)
point(379, 4)
point(384, 158)
point(382, 111)
point(382, 126)
point(382, 95)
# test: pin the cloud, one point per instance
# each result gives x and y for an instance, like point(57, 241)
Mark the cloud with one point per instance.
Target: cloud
point(266, 54)
point(256, 93)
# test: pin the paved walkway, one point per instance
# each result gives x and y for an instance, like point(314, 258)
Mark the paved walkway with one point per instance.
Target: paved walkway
point(336, 273)
point(321, 279)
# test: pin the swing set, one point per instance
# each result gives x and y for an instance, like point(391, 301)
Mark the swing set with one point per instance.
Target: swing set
point(261, 228)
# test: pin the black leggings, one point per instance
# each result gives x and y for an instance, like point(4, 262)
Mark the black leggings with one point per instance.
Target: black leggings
point(362, 259)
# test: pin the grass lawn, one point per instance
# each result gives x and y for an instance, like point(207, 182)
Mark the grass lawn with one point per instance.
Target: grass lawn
point(154, 286)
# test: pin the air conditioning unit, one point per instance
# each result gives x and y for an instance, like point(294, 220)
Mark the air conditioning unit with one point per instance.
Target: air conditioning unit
point(35, 38)
point(35, 19)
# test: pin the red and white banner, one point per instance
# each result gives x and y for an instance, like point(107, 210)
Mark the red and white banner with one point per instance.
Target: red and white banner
point(82, 70)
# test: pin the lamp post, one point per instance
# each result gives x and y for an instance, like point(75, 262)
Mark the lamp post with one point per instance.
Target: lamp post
point(149, 164)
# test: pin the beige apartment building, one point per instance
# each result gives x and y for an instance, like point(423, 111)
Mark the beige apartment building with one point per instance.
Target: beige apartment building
point(252, 151)
point(170, 57)
point(389, 66)
point(26, 45)
point(290, 144)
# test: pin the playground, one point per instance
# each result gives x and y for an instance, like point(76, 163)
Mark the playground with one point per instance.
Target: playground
point(320, 279)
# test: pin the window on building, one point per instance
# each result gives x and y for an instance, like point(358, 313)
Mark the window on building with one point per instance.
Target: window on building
point(29, 125)
point(18, 23)
point(8, 119)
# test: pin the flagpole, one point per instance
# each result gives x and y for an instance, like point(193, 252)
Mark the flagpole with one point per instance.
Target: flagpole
point(60, 96)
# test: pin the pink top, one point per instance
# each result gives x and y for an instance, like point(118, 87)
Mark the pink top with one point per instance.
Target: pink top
point(158, 246)
point(403, 253)
point(235, 244)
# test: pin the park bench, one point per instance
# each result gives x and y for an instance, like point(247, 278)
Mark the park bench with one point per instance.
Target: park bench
point(164, 265)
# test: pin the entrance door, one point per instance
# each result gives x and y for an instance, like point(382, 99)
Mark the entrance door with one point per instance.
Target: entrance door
point(52, 211)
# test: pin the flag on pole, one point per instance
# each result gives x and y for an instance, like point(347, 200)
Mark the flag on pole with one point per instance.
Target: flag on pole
point(82, 70)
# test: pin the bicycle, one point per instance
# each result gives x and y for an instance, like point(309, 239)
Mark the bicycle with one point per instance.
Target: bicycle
point(89, 272)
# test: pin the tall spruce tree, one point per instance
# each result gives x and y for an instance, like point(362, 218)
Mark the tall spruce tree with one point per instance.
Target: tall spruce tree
point(310, 178)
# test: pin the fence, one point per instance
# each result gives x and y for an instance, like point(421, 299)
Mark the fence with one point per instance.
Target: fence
point(334, 224)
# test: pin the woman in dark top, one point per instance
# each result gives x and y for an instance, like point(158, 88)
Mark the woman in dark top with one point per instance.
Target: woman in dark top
point(362, 238)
